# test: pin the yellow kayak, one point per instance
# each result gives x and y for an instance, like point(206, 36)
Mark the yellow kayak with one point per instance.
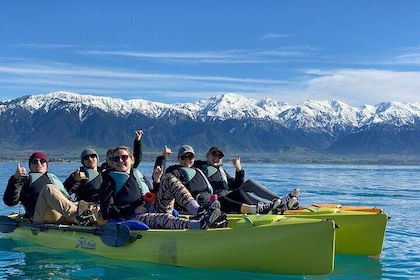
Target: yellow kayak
point(272, 244)
point(361, 229)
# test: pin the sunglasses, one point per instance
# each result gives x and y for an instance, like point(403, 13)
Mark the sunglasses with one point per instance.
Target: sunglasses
point(190, 157)
point(217, 155)
point(36, 161)
point(117, 158)
point(89, 156)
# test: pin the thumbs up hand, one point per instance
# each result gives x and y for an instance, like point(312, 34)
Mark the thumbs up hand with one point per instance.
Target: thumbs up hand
point(79, 175)
point(20, 172)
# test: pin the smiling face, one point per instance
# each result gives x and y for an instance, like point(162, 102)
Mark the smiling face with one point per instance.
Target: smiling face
point(122, 159)
point(187, 160)
point(38, 165)
point(214, 158)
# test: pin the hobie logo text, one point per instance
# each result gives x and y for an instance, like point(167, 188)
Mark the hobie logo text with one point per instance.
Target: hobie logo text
point(86, 243)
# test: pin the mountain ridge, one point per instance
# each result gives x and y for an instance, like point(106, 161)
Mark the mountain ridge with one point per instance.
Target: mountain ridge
point(237, 123)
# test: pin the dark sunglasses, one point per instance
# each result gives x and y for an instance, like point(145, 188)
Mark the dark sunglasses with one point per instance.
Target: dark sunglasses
point(214, 154)
point(89, 156)
point(190, 157)
point(36, 161)
point(117, 158)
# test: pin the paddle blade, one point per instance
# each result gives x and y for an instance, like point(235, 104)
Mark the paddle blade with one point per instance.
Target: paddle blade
point(8, 224)
point(114, 235)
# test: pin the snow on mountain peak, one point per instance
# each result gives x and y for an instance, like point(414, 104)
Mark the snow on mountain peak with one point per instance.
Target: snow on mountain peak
point(396, 112)
point(328, 115)
point(232, 105)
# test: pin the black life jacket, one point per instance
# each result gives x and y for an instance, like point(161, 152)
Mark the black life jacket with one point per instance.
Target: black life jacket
point(217, 177)
point(89, 190)
point(127, 188)
point(195, 181)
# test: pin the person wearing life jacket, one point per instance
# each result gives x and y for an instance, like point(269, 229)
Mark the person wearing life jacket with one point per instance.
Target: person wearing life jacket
point(220, 180)
point(183, 188)
point(84, 183)
point(43, 195)
point(256, 194)
point(187, 178)
point(122, 197)
point(232, 199)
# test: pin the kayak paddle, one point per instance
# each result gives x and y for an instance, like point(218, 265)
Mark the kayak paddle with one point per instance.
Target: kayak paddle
point(111, 234)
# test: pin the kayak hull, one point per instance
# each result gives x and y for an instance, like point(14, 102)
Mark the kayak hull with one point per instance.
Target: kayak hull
point(271, 244)
point(361, 231)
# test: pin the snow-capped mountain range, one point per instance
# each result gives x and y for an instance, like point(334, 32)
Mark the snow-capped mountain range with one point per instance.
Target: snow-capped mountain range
point(314, 125)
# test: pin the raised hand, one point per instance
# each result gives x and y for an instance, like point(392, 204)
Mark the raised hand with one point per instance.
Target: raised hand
point(166, 151)
point(139, 134)
point(20, 172)
point(157, 174)
point(79, 175)
point(237, 163)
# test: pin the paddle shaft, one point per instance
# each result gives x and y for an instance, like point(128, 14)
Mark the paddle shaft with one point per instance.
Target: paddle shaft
point(111, 234)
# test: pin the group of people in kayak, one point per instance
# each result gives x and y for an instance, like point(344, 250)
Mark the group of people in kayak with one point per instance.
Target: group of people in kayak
point(188, 195)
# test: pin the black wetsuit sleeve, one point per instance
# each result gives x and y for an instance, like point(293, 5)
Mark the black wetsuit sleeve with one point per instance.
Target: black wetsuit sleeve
point(138, 152)
point(12, 194)
point(160, 161)
point(70, 184)
point(236, 182)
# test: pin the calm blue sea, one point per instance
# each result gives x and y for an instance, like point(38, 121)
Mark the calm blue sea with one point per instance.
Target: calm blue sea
point(396, 189)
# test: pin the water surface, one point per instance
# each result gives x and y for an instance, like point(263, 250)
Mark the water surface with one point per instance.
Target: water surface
point(395, 189)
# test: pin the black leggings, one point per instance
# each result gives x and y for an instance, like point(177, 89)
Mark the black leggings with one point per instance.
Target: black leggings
point(233, 200)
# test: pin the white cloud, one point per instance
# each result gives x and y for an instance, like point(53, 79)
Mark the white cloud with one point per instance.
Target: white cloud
point(353, 86)
point(273, 36)
point(361, 86)
point(253, 56)
point(46, 46)
point(411, 57)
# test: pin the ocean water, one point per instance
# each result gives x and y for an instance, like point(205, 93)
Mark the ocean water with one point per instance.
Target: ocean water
point(395, 189)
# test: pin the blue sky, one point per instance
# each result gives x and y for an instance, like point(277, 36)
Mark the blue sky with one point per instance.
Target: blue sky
point(358, 52)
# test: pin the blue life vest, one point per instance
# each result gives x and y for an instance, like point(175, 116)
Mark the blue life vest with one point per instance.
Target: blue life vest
point(90, 173)
point(140, 179)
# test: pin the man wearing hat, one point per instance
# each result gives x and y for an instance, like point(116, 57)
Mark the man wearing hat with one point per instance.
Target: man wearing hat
point(84, 183)
point(42, 194)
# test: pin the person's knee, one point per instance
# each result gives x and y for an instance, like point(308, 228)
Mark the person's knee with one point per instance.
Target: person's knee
point(171, 178)
point(250, 181)
point(48, 188)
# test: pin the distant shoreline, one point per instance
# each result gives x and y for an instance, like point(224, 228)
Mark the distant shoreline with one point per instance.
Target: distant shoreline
point(303, 157)
point(264, 161)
